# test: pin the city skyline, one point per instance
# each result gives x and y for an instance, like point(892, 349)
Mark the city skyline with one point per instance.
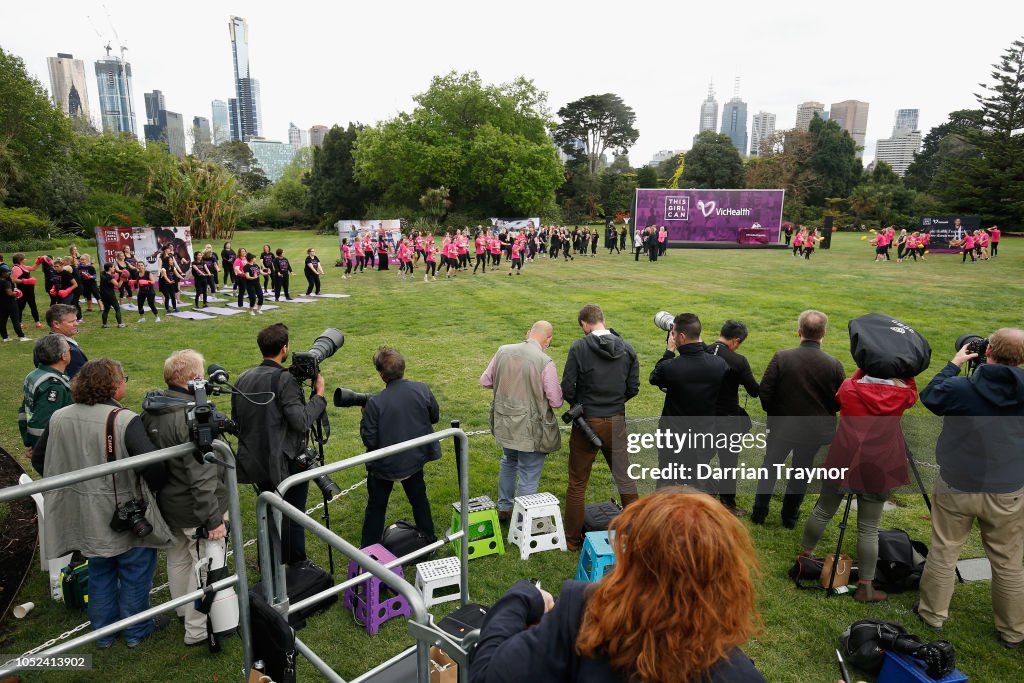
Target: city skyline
point(293, 70)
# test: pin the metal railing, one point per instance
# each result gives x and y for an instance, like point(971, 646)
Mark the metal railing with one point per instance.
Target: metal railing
point(238, 579)
point(421, 624)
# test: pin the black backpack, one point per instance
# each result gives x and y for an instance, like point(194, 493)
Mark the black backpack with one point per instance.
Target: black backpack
point(273, 640)
point(900, 561)
point(599, 516)
point(402, 538)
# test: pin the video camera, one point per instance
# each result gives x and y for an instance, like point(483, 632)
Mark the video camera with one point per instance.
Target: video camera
point(975, 344)
point(205, 422)
point(306, 364)
point(575, 416)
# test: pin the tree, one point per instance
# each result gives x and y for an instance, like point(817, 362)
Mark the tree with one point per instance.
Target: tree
point(238, 158)
point(113, 162)
point(948, 140)
point(646, 177)
point(34, 137)
point(785, 164)
point(834, 161)
point(670, 170)
point(618, 190)
point(334, 192)
point(714, 162)
point(488, 144)
point(199, 194)
point(992, 183)
point(436, 203)
point(596, 124)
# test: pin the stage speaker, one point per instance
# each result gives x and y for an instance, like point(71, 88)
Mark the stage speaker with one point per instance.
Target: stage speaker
point(826, 232)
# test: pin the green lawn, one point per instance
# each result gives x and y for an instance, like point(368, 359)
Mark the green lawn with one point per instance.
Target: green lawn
point(448, 330)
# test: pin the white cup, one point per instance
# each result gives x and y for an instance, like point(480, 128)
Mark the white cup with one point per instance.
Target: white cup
point(21, 610)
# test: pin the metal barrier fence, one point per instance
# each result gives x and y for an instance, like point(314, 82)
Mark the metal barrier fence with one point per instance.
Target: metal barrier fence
point(421, 625)
point(238, 579)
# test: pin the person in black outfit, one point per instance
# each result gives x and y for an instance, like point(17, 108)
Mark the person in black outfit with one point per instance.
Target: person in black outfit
point(680, 559)
point(267, 261)
point(313, 270)
point(282, 271)
point(622, 239)
point(227, 259)
point(733, 418)
point(200, 278)
point(26, 284)
point(109, 284)
point(402, 411)
point(271, 435)
point(9, 306)
point(691, 382)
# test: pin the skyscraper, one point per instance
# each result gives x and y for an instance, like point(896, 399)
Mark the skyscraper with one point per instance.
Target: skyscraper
point(762, 128)
point(899, 150)
point(852, 116)
point(316, 135)
point(805, 112)
point(297, 137)
point(201, 130)
point(708, 112)
point(244, 108)
point(67, 81)
point(114, 78)
point(272, 156)
point(221, 129)
point(734, 120)
point(164, 126)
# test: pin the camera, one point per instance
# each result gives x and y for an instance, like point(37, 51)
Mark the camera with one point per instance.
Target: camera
point(575, 416)
point(938, 656)
point(346, 398)
point(308, 459)
point(131, 516)
point(975, 344)
point(664, 320)
point(306, 364)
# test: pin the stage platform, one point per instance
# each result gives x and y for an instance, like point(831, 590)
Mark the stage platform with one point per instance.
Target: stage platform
point(722, 245)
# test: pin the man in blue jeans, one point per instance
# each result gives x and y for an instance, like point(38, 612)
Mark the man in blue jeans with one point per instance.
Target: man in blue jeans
point(526, 392)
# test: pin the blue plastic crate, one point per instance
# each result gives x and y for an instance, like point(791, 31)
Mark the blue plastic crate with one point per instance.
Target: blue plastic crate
point(899, 668)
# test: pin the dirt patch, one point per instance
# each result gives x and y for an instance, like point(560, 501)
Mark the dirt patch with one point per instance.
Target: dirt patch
point(18, 536)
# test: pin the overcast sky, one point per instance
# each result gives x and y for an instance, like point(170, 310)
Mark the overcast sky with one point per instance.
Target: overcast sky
point(326, 63)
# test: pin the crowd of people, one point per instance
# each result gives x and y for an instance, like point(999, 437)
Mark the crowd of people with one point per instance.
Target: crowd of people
point(980, 245)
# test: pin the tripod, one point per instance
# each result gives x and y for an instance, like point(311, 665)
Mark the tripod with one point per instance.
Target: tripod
point(319, 435)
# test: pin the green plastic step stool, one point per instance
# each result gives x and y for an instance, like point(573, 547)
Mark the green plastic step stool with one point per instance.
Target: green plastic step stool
point(484, 528)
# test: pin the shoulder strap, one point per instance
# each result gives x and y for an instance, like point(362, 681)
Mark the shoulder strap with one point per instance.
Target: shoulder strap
point(111, 445)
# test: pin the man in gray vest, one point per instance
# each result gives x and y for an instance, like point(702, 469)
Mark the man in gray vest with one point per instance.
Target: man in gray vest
point(526, 392)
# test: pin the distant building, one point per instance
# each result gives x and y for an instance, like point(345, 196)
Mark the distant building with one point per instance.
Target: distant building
point(164, 126)
point(805, 112)
point(117, 111)
point(220, 128)
point(201, 133)
point(317, 134)
point(663, 155)
point(67, 81)
point(297, 137)
point(272, 156)
point(244, 108)
point(899, 150)
point(734, 123)
point(852, 116)
point(762, 129)
point(708, 112)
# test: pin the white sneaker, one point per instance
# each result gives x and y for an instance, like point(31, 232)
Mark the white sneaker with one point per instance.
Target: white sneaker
point(142, 320)
point(259, 312)
point(6, 339)
point(252, 312)
point(426, 278)
point(21, 339)
point(158, 319)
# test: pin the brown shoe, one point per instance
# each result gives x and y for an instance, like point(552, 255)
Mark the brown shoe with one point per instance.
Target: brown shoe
point(504, 516)
point(868, 593)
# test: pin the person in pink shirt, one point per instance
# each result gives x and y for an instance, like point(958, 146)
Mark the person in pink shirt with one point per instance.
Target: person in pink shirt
point(417, 241)
point(462, 250)
point(405, 258)
point(995, 235)
point(517, 258)
point(357, 252)
point(810, 242)
point(346, 258)
point(368, 250)
point(525, 384)
point(967, 247)
point(981, 244)
point(798, 243)
point(481, 250)
point(431, 260)
point(238, 267)
point(913, 244)
point(494, 246)
point(922, 244)
point(662, 240)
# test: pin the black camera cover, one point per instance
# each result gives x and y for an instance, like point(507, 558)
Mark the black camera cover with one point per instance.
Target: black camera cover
point(885, 347)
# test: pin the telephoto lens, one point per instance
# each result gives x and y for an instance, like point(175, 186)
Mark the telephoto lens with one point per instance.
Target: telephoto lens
point(664, 320)
point(325, 346)
point(346, 398)
point(575, 416)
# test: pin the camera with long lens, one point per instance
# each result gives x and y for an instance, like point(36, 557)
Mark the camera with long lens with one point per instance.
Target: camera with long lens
point(131, 516)
point(938, 656)
point(346, 398)
point(306, 364)
point(574, 416)
point(664, 320)
point(975, 344)
point(307, 460)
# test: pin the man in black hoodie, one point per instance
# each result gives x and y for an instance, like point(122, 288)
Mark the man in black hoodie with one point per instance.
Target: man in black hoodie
point(601, 373)
point(691, 382)
point(981, 475)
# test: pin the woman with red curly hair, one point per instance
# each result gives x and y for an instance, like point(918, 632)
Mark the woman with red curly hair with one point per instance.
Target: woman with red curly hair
point(674, 609)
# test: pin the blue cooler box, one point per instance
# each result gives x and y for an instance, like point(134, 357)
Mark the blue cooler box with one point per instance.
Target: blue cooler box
point(899, 668)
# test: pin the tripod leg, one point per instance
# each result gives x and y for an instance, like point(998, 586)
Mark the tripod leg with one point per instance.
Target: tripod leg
point(924, 494)
point(839, 544)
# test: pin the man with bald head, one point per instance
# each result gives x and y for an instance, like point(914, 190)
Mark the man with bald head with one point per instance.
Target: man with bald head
point(526, 392)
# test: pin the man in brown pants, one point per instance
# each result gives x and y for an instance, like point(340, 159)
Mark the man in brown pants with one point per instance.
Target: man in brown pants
point(601, 373)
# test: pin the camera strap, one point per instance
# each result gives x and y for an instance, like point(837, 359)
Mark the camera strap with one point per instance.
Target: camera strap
point(111, 446)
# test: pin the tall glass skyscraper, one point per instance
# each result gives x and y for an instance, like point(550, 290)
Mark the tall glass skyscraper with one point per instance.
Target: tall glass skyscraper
point(734, 123)
point(221, 129)
point(243, 109)
point(114, 78)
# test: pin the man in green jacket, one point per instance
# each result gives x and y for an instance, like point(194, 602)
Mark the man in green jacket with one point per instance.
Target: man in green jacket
point(194, 497)
point(47, 388)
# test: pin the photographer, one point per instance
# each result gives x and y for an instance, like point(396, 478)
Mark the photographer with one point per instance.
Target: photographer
point(271, 436)
point(402, 411)
point(46, 390)
point(691, 381)
point(981, 475)
point(735, 417)
point(194, 495)
point(83, 517)
point(601, 373)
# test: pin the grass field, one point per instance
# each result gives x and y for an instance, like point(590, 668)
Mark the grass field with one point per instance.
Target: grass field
point(448, 331)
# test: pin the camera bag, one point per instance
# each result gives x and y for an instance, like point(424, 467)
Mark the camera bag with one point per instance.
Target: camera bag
point(303, 579)
point(273, 639)
point(599, 516)
point(463, 620)
point(402, 538)
point(887, 348)
point(74, 583)
point(900, 561)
